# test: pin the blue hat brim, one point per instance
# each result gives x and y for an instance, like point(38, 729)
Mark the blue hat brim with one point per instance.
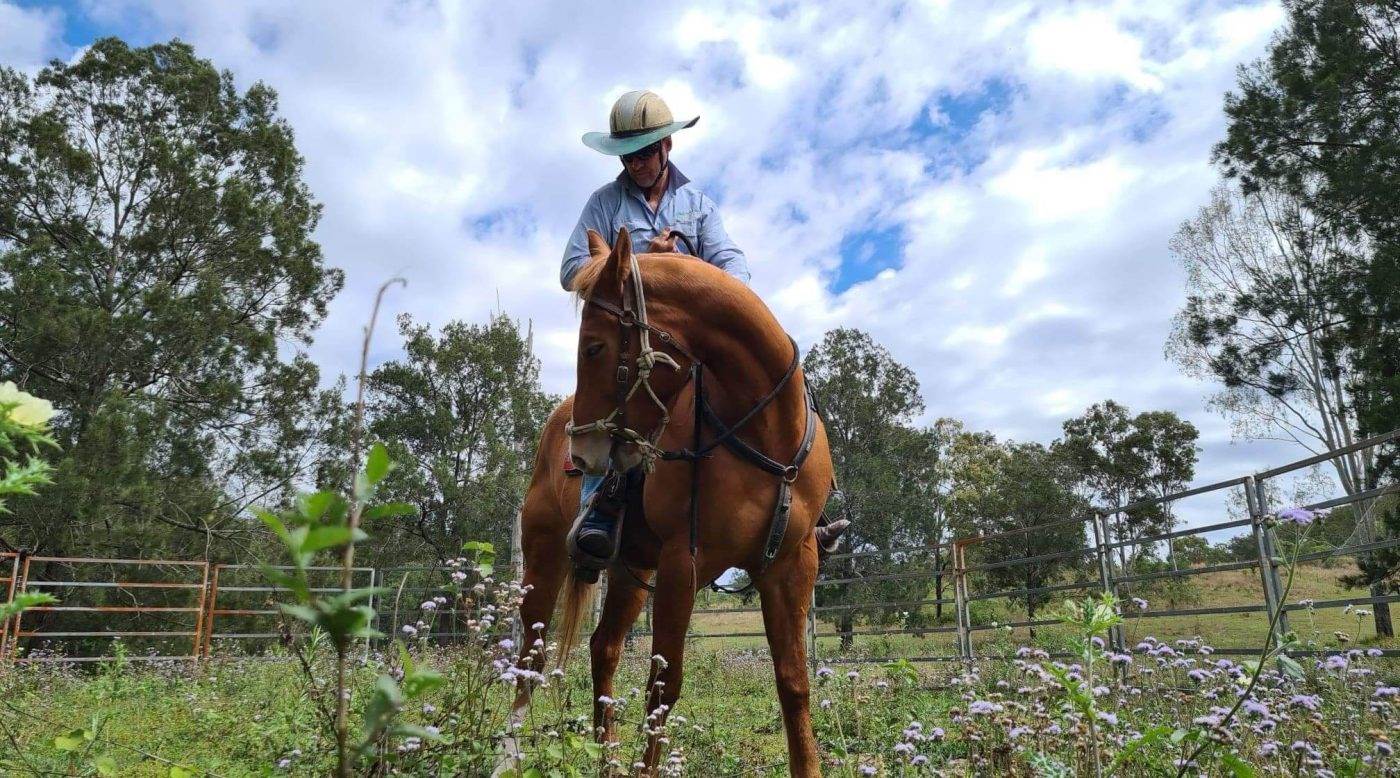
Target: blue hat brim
point(606, 143)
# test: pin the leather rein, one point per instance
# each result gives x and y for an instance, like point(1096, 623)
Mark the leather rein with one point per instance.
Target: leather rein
point(615, 423)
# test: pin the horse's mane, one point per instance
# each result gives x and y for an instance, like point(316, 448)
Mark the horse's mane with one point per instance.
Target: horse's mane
point(586, 277)
point(700, 280)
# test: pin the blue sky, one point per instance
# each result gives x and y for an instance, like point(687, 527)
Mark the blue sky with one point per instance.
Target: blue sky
point(987, 188)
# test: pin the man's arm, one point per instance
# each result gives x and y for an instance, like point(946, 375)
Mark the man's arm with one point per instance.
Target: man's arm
point(576, 254)
point(716, 247)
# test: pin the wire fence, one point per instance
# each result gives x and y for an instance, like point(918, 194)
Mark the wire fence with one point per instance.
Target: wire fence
point(957, 600)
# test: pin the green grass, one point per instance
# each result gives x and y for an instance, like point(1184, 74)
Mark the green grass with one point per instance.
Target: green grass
point(240, 716)
point(1209, 590)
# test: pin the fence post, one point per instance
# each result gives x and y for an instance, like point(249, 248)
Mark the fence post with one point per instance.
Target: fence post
point(197, 645)
point(9, 598)
point(1257, 502)
point(210, 610)
point(960, 603)
point(812, 631)
point(374, 619)
point(1106, 582)
point(18, 587)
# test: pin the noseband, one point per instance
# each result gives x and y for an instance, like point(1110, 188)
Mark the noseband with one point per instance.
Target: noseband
point(648, 357)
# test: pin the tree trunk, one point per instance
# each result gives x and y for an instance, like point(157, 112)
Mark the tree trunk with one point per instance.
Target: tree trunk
point(938, 586)
point(1384, 629)
point(847, 628)
point(1030, 599)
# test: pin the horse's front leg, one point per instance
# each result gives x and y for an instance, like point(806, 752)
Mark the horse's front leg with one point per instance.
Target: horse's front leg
point(624, 601)
point(674, 599)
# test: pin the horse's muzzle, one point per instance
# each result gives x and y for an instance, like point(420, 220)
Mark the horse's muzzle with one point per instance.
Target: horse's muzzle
point(591, 452)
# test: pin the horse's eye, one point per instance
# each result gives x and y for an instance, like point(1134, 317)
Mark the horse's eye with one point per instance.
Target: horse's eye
point(593, 350)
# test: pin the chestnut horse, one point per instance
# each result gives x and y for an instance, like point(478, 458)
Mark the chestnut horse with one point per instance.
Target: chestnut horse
point(711, 318)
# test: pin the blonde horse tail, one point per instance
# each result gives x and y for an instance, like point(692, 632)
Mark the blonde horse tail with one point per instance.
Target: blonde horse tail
point(578, 600)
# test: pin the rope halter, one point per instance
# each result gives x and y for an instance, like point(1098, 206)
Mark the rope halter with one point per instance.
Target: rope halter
point(648, 358)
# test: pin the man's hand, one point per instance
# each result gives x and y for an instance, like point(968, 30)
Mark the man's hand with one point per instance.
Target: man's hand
point(665, 243)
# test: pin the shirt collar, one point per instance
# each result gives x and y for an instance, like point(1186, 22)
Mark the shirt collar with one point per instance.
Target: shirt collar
point(675, 181)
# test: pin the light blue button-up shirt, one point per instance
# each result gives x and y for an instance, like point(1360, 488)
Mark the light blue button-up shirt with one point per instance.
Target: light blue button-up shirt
point(683, 208)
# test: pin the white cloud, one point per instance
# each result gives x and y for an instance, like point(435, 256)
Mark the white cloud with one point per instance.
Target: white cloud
point(1088, 43)
point(28, 36)
point(443, 140)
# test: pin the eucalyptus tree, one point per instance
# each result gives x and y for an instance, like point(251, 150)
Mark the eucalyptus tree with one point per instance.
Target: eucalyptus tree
point(158, 282)
point(1316, 121)
point(1121, 458)
point(460, 411)
point(869, 401)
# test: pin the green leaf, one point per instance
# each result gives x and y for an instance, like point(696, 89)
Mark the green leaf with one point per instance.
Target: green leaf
point(106, 766)
point(306, 613)
point(1290, 666)
point(1237, 766)
point(421, 681)
point(383, 704)
point(73, 741)
point(376, 467)
point(479, 545)
point(296, 584)
point(278, 528)
point(1153, 735)
point(314, 505)
point(25, 601)
point(176, 771)
point(322, 538)
point(388, 511)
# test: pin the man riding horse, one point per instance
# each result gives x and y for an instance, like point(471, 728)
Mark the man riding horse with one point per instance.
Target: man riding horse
point(662, 212)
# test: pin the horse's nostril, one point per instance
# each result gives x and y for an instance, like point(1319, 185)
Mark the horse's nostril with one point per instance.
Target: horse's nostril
point(578, 461)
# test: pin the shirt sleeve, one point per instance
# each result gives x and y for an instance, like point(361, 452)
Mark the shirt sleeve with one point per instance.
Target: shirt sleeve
point(576, 254)
point(715, 245)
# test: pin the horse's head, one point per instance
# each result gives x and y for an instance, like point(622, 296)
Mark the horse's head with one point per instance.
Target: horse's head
point(623, 390)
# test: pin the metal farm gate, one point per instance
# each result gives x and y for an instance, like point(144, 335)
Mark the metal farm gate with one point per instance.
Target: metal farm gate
point(949, 607)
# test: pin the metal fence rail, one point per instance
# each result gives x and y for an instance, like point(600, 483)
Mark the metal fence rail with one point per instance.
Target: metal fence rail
point(195, 608)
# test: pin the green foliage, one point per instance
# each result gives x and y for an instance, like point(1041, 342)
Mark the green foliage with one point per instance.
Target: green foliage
point(891, 475)
point(155, 262)
point(1317, 118)
point(1121, 458)
point(461, 411)
point(1006, 488)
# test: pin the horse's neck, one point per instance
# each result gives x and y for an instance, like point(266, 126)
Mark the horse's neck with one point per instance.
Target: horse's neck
point(744, 361)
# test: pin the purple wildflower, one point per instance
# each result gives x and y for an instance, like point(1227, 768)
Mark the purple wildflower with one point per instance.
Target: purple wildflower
point(1300, 516)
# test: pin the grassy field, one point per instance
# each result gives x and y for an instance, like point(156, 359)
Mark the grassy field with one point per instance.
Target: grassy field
point(1209, 590)
point(253, 716)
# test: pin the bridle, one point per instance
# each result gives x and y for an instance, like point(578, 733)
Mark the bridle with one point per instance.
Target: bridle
point(632, 315)
point(648, 357)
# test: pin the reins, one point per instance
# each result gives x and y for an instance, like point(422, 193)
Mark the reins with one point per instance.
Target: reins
point(648, 357)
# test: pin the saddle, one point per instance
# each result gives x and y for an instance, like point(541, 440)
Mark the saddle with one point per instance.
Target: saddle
point(620, 494)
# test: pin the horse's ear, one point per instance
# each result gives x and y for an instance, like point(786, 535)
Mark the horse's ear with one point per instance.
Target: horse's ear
point(597, 246)
point(620, 261)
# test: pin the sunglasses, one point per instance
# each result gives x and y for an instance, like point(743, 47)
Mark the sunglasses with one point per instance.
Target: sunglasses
point(642, 154)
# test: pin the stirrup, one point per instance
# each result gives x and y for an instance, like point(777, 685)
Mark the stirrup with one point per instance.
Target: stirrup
point(609, 500)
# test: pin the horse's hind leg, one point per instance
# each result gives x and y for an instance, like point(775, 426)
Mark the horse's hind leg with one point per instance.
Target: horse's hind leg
point(624, 601)
point(786, 589)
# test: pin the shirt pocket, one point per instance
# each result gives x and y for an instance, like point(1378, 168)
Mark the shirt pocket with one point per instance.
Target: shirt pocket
point(687, 223)
point(641, 233)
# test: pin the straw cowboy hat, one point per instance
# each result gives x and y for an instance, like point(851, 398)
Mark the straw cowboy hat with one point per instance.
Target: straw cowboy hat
point(638, 120)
